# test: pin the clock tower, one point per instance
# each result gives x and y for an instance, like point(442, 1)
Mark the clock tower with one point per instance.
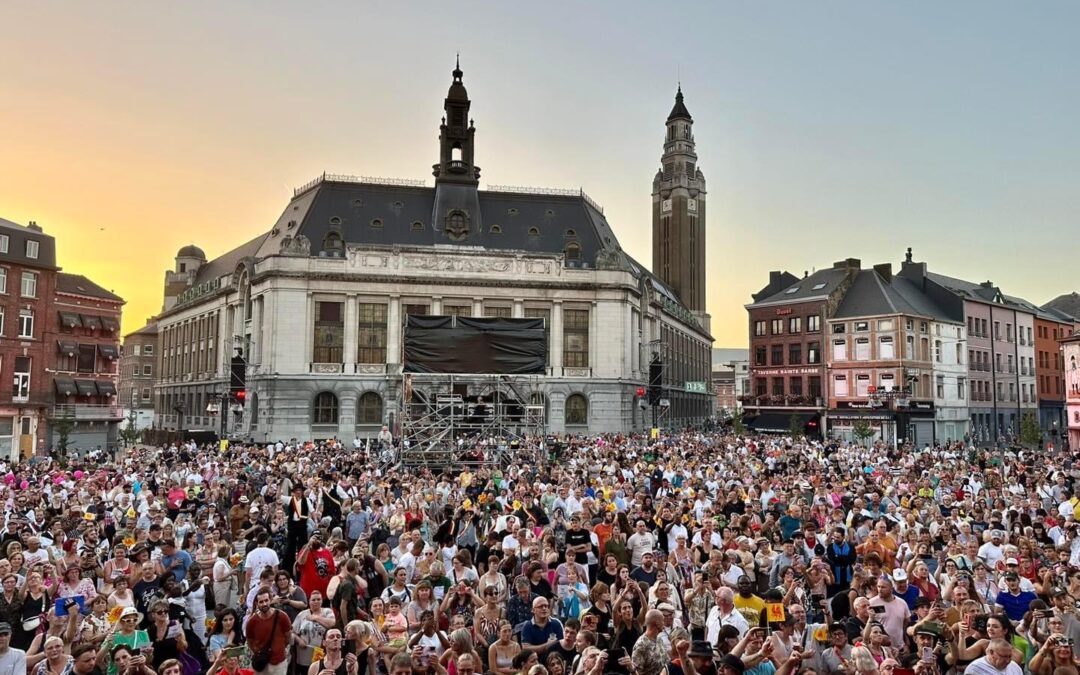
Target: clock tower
point(679, 214)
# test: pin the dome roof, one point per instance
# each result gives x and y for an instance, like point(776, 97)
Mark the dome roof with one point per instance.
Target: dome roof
point(191, 251)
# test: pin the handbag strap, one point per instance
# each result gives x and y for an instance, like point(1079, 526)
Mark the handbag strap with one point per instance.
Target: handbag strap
point(273, 631)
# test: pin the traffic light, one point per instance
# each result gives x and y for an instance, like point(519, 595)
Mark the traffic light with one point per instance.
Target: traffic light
point(238, 375)
point(640, 392)
point(241, 396)
point(656, 380)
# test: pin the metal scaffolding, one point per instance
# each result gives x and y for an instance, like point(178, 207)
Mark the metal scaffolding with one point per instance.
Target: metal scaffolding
point(468, 420)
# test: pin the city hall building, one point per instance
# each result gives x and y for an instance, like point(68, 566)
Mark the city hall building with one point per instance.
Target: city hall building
point(315, 305)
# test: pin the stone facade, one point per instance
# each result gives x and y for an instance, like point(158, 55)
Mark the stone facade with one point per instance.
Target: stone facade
point(267, 308)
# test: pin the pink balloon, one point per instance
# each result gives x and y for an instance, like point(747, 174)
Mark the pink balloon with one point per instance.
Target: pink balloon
point(78, 475)
point(24, 485)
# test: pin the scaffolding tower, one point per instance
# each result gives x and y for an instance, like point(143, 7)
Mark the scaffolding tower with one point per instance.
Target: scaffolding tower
point(454, 420)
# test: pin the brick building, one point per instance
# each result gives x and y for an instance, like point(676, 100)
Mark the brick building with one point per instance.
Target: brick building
point(1050, 327)
point(138, 368)
point(83, 332)
point(787, 368)
point(27, 280)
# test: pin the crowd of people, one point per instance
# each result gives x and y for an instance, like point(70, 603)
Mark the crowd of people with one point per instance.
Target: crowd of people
point(694, 553)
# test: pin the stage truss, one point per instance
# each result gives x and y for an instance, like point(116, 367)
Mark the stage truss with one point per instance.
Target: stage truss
point(445, 418)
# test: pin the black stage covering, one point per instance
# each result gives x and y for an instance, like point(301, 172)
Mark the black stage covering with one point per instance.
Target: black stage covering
point(466, 345)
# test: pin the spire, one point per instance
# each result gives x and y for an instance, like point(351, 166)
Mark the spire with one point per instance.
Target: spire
point(679, 111)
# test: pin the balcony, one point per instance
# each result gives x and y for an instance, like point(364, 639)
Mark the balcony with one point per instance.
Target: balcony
point(87, 412)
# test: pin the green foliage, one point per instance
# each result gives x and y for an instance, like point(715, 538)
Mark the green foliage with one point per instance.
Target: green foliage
point(795, 426)
point(737, 424)
point(862, 430)
point(1030, 433)
point(63, 426)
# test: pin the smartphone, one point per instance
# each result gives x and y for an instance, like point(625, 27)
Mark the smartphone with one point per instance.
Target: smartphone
point(234, 652)
point(927, 654)
point(877, 609)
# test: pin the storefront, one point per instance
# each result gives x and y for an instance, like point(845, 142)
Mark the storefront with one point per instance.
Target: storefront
point(845, 422)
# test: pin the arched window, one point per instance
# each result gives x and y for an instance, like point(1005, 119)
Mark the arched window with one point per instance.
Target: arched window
point(455, 153)
point(534, 231)
point(253, 405)
point(369, 408)
point(573, 252)
point(325, 409)
point(577, 410)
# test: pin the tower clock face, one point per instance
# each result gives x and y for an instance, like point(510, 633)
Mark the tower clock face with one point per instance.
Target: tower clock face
point(665, 205)
point(691, 205)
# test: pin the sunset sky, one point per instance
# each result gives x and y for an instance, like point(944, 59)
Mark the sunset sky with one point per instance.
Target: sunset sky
point(825, 129)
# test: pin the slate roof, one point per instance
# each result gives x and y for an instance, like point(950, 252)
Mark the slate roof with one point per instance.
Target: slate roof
point(226, 262)
point(679, 111)
point(1067, 304)
point(17, 237)
point(77, 284)
point(870, 295)
point(816, 286)
point(151, 328)
point(387, 215)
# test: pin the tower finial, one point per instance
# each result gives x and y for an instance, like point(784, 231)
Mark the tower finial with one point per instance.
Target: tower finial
point(457, 68)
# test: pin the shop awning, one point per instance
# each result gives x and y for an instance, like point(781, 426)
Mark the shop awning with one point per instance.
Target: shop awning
point(109, 352)
point(86, 387)
point(779, 422)
point(110, 324)
point(68, 347)
point(70, 320)
point(106, 388)
point(65, 386)
point(91, 321)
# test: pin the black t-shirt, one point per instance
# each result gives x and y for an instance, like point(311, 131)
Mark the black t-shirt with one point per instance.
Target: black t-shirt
point(639, 574)
point(567, 655)
point(579, 537)
point(145, 592)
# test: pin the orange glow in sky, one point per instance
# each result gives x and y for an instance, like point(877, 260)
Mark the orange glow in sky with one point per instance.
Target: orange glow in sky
point(130, 130)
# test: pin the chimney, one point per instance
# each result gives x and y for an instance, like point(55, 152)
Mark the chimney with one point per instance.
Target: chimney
point(34, 226)
point(848, 264)
point(987, 284)
point(774, 277)
point(884, 271)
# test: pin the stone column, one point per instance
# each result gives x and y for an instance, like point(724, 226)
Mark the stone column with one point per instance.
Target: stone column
point(519, 308)
point(351, 328)
point(478, 307)
point(393, 330)
point(556, 338)
point(436, 304)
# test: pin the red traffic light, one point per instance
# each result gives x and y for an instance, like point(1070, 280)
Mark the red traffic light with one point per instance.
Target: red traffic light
point(640, 392)
point(241, 396)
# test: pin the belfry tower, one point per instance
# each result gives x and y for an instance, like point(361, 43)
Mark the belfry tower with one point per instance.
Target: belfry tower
point(679, 213)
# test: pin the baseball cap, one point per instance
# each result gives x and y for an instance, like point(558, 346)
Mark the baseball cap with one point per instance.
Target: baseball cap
point(1012, 561)
point(899, 574)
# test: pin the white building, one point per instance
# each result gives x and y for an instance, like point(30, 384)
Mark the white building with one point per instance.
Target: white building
point(949, 371)
point(316, 305)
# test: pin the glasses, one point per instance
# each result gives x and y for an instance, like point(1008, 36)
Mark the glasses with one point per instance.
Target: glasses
point(160, 611)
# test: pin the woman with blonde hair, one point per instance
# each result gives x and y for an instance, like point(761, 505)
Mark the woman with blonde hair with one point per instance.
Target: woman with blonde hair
point(863, 661)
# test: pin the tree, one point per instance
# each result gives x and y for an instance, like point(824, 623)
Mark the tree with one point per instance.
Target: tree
point(795, 426)
point(737, 423)
point(129, 434)
point(63, 426)
point(1030, 433)
point(862, 430)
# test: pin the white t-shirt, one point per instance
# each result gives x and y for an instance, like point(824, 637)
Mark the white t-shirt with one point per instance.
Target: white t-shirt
point(258, 559)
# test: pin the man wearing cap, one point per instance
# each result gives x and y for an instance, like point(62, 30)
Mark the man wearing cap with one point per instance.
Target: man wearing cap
point(1013, 565)
point(700, 655)
point(647, 572)
point(902, 589)
point(12, 660)
point(1013, 601)
point(992, 551)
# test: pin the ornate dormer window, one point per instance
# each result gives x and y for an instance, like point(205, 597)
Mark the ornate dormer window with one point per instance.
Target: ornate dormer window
point(457, 225)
